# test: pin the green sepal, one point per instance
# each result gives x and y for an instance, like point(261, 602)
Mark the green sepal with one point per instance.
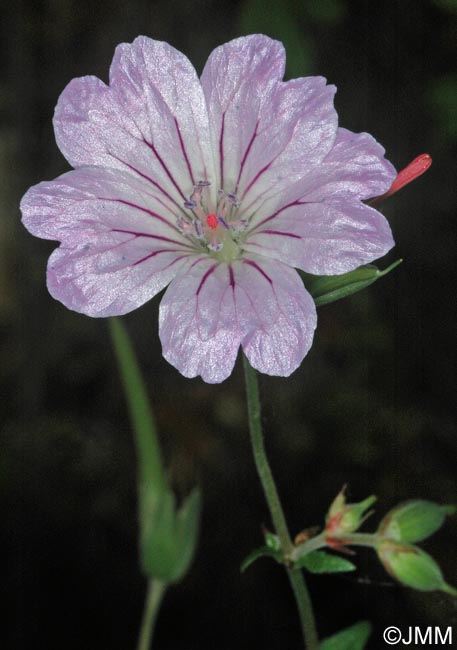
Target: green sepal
point(414, 521)
point(168, 535)
point(321, 562)
point(352, 638)
point(413, 567)
point(343, 518)
point(328, 288)
point(262, 551)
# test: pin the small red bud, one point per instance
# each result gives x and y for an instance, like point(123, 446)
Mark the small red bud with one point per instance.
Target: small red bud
point(416, 168)
point(412, 171)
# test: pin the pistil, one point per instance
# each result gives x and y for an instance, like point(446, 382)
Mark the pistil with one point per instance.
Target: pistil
point(218, 230)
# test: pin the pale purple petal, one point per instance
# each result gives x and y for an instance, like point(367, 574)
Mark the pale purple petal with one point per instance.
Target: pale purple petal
point(276, 314)
point(151, 121)
point(267, 133)
point(323, 238)
point(211, 308)
point(90, 200)
point(111, 276)
point(238, 79)
point(198, 323)
point(355, 168)
point(297, 131)
point(117, 251)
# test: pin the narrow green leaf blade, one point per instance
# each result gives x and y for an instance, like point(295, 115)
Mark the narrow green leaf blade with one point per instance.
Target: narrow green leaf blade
point(329, 288)
point(168, 541)
point(187, 529)
point(262, 551)
point(352, 638)
point(321, 562)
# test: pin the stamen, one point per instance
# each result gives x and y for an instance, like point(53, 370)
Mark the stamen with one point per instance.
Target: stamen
point(223, 222)
point(201, 225)
point(239, 226)
point(184, 226)
point(233, 199)
point(198, 229)
point(215, 245)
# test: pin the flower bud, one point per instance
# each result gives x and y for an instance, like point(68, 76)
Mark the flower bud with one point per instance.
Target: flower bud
point(413, 521)
point(412, 567)
point(343, 518)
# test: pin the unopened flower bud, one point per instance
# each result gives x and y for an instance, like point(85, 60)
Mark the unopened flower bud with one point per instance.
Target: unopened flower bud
point(416, 168)
point(412, 567)
point(343, 518)
point(272, 541)
point(413, 521)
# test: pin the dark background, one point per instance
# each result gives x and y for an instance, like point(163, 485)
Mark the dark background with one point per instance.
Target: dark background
point(371, 406)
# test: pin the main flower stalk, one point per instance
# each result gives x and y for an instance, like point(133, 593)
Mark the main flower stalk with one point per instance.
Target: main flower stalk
point(296, 578)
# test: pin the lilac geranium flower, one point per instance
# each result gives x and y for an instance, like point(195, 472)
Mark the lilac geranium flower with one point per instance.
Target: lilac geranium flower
point(219, 187)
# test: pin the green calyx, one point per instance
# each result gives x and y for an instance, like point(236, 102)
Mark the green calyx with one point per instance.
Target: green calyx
point(413, 567)
point(343, 518)
point(414, 521)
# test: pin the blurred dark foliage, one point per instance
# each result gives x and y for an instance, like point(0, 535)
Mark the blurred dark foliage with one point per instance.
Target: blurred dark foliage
point(371, 406)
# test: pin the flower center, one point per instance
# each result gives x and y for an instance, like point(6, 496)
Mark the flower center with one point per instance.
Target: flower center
point(216, 230)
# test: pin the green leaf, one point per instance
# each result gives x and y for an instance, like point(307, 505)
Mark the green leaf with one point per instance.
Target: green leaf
point(328, 288)
point(321, 562)
point(262, 551)
point(168, 536)
point(352, 638)
point(187, 528)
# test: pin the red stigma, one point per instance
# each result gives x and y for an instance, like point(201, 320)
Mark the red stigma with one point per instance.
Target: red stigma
point(212, 221)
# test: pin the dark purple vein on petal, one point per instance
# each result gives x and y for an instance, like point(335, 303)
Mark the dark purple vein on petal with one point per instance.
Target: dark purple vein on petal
point(259, 269)
point(197, 261)
point(142, 209)
point(205, 277)
point(184, 151)
point(246, 153)
point(275, 214)
point(162, 250)
point(164, 167)
point(145, 234)
point(256, 178)
point(264, 169)
point(231, 276)
point(279, 232)
point(221, 150)
point(149, 179)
